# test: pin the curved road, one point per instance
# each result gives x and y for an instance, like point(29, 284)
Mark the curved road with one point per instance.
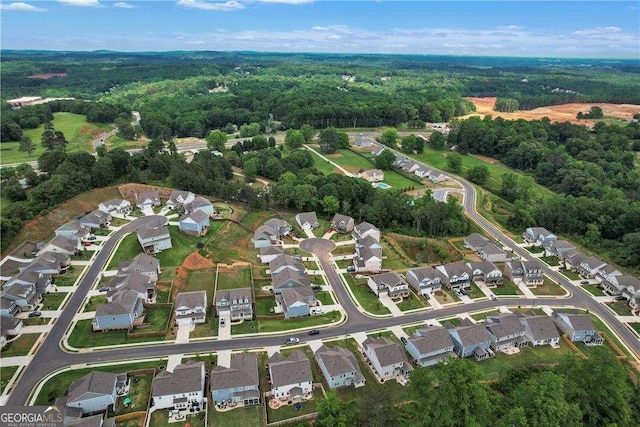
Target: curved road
point(51, 357)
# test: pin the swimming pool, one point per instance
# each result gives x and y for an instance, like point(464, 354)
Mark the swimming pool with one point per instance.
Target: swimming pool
point(383, 185)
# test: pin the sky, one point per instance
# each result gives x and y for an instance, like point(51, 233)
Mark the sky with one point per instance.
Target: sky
point(562, 29)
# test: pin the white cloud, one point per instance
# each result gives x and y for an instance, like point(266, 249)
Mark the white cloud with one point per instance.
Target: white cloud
point(124, 5)
point(319, 28)
point(22, 6)
point(511, 27)
point(82, 3)
point(597, 31)
point(287, 1)
point(227, 6)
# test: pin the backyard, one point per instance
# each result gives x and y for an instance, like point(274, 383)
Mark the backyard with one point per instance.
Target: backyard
point(139, 392)
point(201, 280)
point(241, 417)
point(233, 279)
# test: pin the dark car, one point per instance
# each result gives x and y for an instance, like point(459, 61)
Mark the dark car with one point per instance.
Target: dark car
point(314, 332)
point(404, 340)
point(103, 288)
point(316, 287)
point(620, 298)
point(584, 282)
point(35, 314)
point(351, 269)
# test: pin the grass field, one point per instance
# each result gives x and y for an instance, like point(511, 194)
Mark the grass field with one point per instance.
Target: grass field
point(128, 248)
point(551, 260)
point(69, 277)
point(6, 373)
point(83, 336)
point(182, 245)
point(93, 303)
point(233, 279)
point(52, 301)
point(75, 128)
point(119, 142)
point(157, 319)
point(365, 297)
point(201, 280)
point(231, 243)
point(501, 364)
point(21, 346)
point(240, 417)
point(549, 288)
point(593, 290)
point(635, 326)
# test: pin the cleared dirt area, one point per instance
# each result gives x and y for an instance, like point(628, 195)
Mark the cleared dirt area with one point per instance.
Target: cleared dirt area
point(555, 113)
point(47, 76)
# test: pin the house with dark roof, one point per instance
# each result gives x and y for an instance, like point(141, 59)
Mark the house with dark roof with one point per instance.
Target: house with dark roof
point(269, 253)
point(424, 280)
point(557, 247)
point(8, 307)
point(191, 307)
point(9, 326)
point(52, 263)
point(141, 263)
point(307, 220)
point(342, 223)
point(95, 219)
point(389, 284)
point(339, 367)
point(538, 235)
point(506, 331)
point(296, 302)
point(572, 259)
point(41, 281)
point(94, 392)
point(471, 340)
point(387, 358)
point(183, 388)
point(378, 150)
point(119, 206)
point(578, 327)
point(430, 345)
point(368, 255)
point(278, 227)
point(619, 284)
point(73, 229)
point(24, 296)
point(288, 279)
point(475, 242)
point(492, 253)
point(590, 266)
point(454, 275)
point(285, 262)
point(61, 244)
point(200, 204)
point(154, 240)
point(137, 282)
point(121, 313)
point(540, 330)
point(179, 198)
point(486, 272)
point(239, 384)
point(528, 272)
point(607, 271)
point(290, 377)
point(237, 303)
point(147, 199)
point(97, 420)
point(195, 223)
point(365, 229)
point(264, 237)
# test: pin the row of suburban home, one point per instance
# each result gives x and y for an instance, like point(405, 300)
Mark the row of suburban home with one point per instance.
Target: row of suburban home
point(411, 166)
point(609, 278)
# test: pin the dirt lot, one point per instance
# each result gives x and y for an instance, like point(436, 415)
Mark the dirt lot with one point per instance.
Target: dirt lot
point(556, 113)
point(47, 76)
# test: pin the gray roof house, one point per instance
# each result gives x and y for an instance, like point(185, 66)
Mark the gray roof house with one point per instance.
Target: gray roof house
point(492, 253)
point(617, 284)
point(195, 223)
point(307, 220)
point(538, 235)
point(239, 384)
point(285, 262)
point(137, 282)
point(372, 175)
point(121, 313)
point(342, 223)
point(606, 272)
point(486, 272)
point(378, 150)
point(430, 345)
point(540, 330)
point(115, 206)
point(278, 227)
point(424, 280)
point(471, 340)
point(288, 278)
point(236, 302)
point(387, 358)
point(339, 367)
point(95, 219)
point(529, 272)
point(390, 284)
point(97, 420)
point(269, 253)
point(42, 281)
point(590, 266)
point(191, 307)
point(506, 331)
point(73, 229)
point(454, 275)
point(200, 204)
point(141, 263)
point(8, 307)
point(578, 327)
point(365, 229)
point(296, 302)
point(183, 388)
point(94, 392)
point(573, 259)
point(422, 172)
point(62, 244)
point(24, 296)
point(475, 241)
point(147, 199)
point(154, 240)
point(9, 325)
point(53, 263)
point(264, 237)
point(180, 198)
point(290, 376)
point(557, 247)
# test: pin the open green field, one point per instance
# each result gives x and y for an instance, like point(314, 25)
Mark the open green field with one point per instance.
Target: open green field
point(501, 364)
point(233, 279)
point(118, 142)
point(127, 249)
point(182, 245)
point(231, 243)
point(240, 417)
point(201, 280)
point(75, 128)
point(21, 346)
point(6, 373)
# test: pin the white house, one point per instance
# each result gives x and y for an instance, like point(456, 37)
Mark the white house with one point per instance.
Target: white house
point(154, 240)
point(424, 280)
point(290, 377)
point(115, 206)
point(200, 204)
point(191, 307)
point(372, 175)
point(180, 198)
point(181, 389)
point(387, 358)
point(365, 229)
point(307, 220)
point(389, 284)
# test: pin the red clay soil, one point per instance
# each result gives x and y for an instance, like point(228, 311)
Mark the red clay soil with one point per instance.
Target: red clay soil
point(485, 158)
point(195, 261)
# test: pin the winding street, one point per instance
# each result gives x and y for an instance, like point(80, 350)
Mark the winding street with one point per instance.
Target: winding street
point(51, 357)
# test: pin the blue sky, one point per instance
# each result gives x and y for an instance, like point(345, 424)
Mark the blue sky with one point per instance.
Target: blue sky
point(571, 29)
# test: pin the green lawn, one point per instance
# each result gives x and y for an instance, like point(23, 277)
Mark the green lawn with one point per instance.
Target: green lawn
point(455, 321)
point(201, 280)
point(535, 249)
point(323, 165)
point(324, 297)
point(240, 417)
point(364, 296)
point(34, 321)
point(21, 346)
point(83, 336)
point(117, 222)
point(119, 142)
point(75, 128)
point(58, 385)
point(507, 288)
point(69, 277)
point(391, 259)
point(635, 326)
point(350, 160)
point(139, 392)
point(233, 279)
point(475, 292)
point(6, 373)
point(549, 288)
point(289, 411)
point(593, 290)
point(551, 260)
point(182, 245)
point(93, 303)
point(128, 248)
point(52, 301)
point(230, 242)
point(570, 274)
point(484, 314)
point(412, 303)
point(157, 319)
point(276, 325)
point(264, 306)
point(620, 308)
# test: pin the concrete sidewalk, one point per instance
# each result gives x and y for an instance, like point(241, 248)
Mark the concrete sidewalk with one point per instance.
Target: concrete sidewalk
point(182, 335)
point(16, 360)
point(485, 289)
point(173, 361)
point(526, 291)
point(35, 329)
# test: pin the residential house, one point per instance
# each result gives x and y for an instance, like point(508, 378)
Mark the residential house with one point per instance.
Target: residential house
point(73, 229)
point(93, 392)
point(422, 172)
point(121, 313)
point(471, 340)
point(285, 262)
point(365, 229)
point(618, 284)
point(342, 223)
point(61, 244)
point(269, 253)
point(137, 282)
point(296, 302)
point(492, 253)
point(141, 263)
point(154, 240)
point(372, 175)
point(634, 302)
point(237, 303)
point(290, 376)
point(389, 284)
point(454, 275)
point(53, 263)
point(378, 150)
point(590, 266)
point(368, 258)
point(191, 307)
point(147, 199)
point(540, 330)
point(506, 331)
point(573, 259)
point(437, 177)
point(10, 326)
point(475, 242)
point(410, 166)
point(339, 367)
point(119, 206)
point(387, 358)
point(195, 223)
point(486, 272)
point(95, 219)
point(278, 227)
point(264, 237)
point(289, 279)
point(200, 204)
point(430, 345)
point(307, 220)
point(239, 384)
point(179, 198)
point(181, 389)
point(606, 272)
point(41, 281)
point(24, 296)
point(538, 235)
point(578, 327)
point(528, 272)
point(557, 247)
point(424, 280)
point(8, 306)
point(363, 141)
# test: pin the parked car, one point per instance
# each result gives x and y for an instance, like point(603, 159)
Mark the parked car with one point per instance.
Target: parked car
point(103, 288)
point(317, 311)
point(584, 282)
point(620, 298)
point(91, 237)
point(493, 297)
point(292, 340)
point(222, 322)
point(351, 269)
point(35, 314)
point(316, 287)
point(313, 332)
point(297, 257)
point(404, 340)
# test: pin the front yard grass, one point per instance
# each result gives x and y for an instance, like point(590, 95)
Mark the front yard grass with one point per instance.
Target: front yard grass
point(21, 346)
point(570, 274)
point(535, 249)
point(552, 261)
point(482, 316)
point(619, 307)
point(280, 324)
point(69, 277)
point(52, 301)
point(507, 288)
point(412, 303)
point(233, 279)
point(549, 287)
point(593, 290)
point(475, 292)
point(324, 297)
point(83, 336)
point(445, 297)
point(6, 373)
point(93, 303)
point(364, 296)
point(455, 321)
point(128, 248)
point(240, 417)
